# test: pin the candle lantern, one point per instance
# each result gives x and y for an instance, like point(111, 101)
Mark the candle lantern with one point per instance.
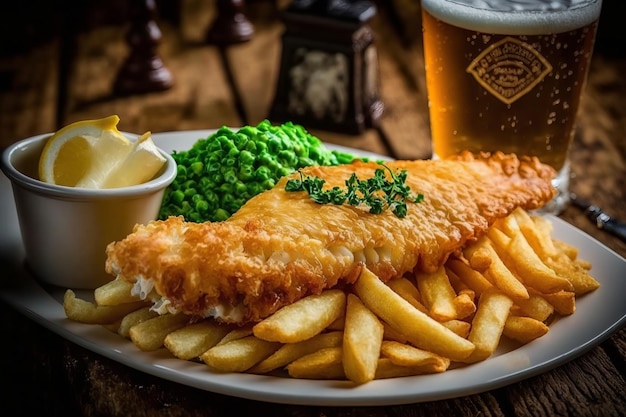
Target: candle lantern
point(328, 75)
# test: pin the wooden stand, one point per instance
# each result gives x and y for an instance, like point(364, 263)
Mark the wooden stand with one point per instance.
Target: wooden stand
point(143, 71)
point(329, 67)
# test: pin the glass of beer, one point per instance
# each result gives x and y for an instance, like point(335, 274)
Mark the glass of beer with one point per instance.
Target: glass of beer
point(508, 76)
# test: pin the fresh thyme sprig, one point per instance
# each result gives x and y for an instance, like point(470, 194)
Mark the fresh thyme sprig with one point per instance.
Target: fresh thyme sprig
point(377, 192)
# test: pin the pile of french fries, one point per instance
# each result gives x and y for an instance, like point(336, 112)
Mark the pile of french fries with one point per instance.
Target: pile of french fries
point(511, 284)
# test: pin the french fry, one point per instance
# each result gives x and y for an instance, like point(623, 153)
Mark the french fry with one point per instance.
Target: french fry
point(362, 338)
point(437, 294)
point(83, 311)
point(338, 324)
point(471, 277)
point(524, 329)
point(387, 369)
point(324, 364)
point(389, 333)
point(537, 238)
point(488, 324)
point(112, 327)
point(291, 351)
point(479, 257)
point(563, 247)
point(532, 269)
point(407, 290)
point(115, 292)
point(303, 319)
point(500, 235)
point(407, 355)
point(519, 255)
point(464, 305)
point(459, 286)
point(134, 318)
point(421, 330)
point(238, 355)
point(544, 226)
point(563, 302)
point(582, 282)
point(497, 272)
point(584, 264)
point(150, 334)
point(460, 327)
point(191, 341)
point(236, 333)
point(404, 286)
point(535, 306)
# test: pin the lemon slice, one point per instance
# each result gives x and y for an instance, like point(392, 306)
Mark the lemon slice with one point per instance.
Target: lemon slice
point(94, 154)
point(141, 164)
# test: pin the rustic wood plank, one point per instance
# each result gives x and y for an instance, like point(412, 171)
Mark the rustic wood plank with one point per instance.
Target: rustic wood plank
point(599, 149)
point(27, 93)
point(199, 99)
point(33, 377)
point(616, 346)
point(405, 122)
point(589, 386)
point(255, 65)
point(484, 405)
point(367, 141)
point(196, 17)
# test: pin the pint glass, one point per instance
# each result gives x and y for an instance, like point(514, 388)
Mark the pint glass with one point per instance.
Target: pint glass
point(508, 76)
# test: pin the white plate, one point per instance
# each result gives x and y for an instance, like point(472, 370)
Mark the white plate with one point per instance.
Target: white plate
point(598, 314)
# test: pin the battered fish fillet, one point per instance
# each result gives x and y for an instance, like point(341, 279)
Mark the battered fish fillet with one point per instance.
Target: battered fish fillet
point(281, 246)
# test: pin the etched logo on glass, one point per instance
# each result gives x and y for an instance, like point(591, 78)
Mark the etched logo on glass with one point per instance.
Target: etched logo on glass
point(510, 68)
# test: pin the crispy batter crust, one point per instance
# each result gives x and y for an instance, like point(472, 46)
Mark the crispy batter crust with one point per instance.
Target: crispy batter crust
point(281, 246)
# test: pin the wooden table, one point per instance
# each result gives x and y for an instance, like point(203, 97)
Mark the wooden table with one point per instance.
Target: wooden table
point(45, 374)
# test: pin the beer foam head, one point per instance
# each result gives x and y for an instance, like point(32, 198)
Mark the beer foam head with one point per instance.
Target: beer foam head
point(516, 17)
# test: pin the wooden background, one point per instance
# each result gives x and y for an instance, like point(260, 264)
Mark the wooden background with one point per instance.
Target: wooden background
point(31, 57)
point(43, 45)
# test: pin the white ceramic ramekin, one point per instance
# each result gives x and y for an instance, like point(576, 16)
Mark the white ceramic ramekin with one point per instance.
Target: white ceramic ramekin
point(65, 230)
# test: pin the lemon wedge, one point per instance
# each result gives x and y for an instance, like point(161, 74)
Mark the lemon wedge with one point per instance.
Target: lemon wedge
point(95, 154)
point(142, 162)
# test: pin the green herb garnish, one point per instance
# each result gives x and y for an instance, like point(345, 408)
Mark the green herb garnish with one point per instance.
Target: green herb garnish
point(377, 192)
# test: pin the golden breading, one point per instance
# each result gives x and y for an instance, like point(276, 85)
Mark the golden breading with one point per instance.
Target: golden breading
point(281, 246)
